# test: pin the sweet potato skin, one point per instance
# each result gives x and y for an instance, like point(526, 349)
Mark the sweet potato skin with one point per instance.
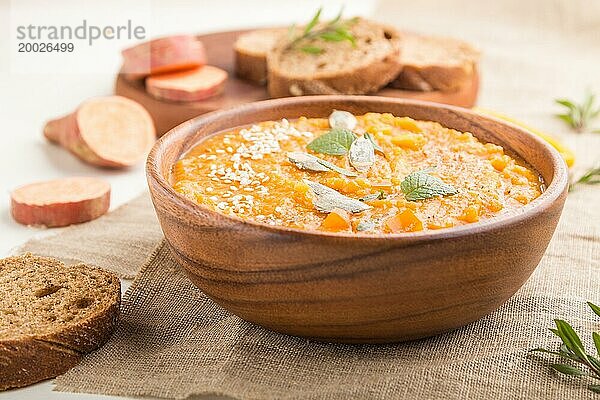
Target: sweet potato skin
point(168, 54)
point(60, 213)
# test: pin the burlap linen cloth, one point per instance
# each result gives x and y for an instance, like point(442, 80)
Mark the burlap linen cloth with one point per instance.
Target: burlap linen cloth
point(174, 342)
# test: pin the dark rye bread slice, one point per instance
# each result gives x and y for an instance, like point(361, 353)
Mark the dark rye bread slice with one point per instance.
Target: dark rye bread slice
point(435, 63)
point(251, 50)
point(51, 315)
point(340, 68)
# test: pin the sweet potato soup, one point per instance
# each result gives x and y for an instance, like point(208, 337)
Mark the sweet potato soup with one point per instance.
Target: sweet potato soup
point(368, 174)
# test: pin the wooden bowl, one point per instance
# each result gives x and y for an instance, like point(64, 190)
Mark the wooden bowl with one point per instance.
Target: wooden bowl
point(342, 288)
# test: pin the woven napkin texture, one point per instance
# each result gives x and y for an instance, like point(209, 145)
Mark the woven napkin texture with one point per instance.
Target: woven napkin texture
point(120, 241)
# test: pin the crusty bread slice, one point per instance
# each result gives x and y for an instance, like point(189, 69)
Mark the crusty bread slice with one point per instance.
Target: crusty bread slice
point(341, 67)
point(251, 50)
point(435, 63)
point(50, 315)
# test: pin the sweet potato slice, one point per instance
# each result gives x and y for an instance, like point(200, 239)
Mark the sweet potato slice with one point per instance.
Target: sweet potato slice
point(168, 54)
point(60, 202)
point(107, 131)
point(193, 85)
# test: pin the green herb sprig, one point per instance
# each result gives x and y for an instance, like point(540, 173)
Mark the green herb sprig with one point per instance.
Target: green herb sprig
point(572, 349)
point(336, 30)
point(579, 116)
point(422, 186)
point(336, 142)
point(590, 177)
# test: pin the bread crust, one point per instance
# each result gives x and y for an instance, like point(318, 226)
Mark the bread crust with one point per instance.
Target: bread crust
point(434, 75)
point(36, 357)
point(363, 80)
point(252, 67)
point(251, 62)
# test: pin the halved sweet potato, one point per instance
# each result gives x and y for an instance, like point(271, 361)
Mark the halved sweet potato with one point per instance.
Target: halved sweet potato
point(168, 54)
point(193, 85)
point(108, 131)
point(60, 202)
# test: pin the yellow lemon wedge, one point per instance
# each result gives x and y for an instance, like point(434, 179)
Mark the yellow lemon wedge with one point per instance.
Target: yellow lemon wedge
point(566, 153)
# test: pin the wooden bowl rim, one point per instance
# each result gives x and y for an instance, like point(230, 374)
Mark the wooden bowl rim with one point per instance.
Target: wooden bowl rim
point(552, 193)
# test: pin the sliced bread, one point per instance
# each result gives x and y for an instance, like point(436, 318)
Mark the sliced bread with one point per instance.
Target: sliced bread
point(340, 67)
point(51, 315)
point(251, 50)
point(435, 63)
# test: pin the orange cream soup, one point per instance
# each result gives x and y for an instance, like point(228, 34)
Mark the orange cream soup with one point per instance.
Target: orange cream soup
point(246, 173)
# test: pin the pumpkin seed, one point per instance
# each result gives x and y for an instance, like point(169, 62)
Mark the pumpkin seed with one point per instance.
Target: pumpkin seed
point(342, 119)
point(374, 143)
point(362, 154)
point(337, 169)
point(306, 161)
point(326, 199)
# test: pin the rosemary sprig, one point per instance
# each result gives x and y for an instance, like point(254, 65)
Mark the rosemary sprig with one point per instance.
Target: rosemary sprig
point(335, 30)
point(572, 349)
point(590, 177)
point(579, 116)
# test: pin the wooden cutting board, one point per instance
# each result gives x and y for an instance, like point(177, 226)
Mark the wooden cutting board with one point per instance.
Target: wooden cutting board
point(219, 49)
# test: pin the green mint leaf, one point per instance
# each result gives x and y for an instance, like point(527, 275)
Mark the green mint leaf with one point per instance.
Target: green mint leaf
point(314, 21)
point(421, 186)
point(594, 388)
point(311, 49)
point(594, 307)
point(336, 142)
point(567, 369)
point(337, 169)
